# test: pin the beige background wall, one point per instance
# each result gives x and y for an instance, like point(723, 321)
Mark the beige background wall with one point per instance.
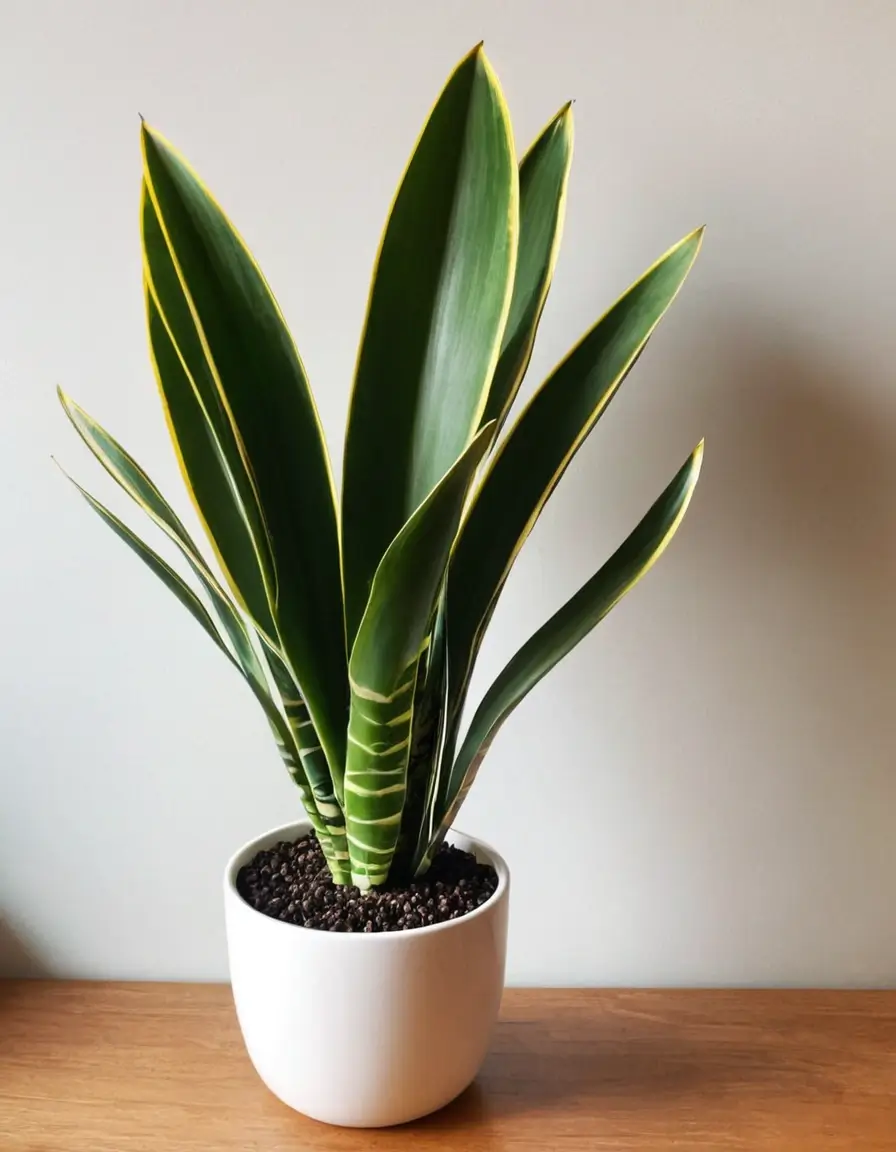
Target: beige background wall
point(705, 792)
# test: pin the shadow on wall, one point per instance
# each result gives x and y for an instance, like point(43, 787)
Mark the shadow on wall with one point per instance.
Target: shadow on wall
point(802, 495)
point(789, 563)
point(16, 958)
point(765, 645)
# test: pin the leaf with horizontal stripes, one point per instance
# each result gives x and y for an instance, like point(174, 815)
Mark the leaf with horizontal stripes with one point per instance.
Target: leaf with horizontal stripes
point(383, 668)
point(327, 803)
point(425, 752)
point(632, 560)
point(438, 304)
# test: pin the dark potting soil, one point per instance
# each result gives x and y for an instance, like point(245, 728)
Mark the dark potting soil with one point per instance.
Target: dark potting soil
point(291, 882)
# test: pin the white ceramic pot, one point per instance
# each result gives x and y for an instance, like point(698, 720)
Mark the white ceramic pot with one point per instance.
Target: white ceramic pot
point(366, 1029)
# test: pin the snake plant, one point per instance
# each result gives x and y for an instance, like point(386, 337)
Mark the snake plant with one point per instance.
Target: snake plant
point(356, 622)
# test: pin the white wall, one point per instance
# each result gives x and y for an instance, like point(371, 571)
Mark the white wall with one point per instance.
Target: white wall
point(705, 792)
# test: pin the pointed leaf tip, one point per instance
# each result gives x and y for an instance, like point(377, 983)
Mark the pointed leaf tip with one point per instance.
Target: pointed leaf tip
point(152, 140)
point(477, 52)
point(563, 117)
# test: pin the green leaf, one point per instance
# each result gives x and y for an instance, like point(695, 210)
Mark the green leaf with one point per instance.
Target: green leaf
point(280, 729)
point(207, 449)
point(544, 175)
point(125, 470)
point(327, 804)
point(400, 607)
point(632, 560)
point(122, 466)
point(172, 581)
point(293, 730)
point(262, 388)
point(533, 456)
point(425, 755)
point(438, 304)
point(393, 634)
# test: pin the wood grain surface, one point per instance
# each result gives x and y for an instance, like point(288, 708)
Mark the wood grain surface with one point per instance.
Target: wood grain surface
point(161, 1068)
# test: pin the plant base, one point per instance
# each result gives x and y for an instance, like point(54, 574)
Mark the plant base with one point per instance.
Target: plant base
point(291, 882)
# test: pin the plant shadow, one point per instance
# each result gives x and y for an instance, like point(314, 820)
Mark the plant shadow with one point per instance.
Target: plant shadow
point(582, 1070)
point(800, 478)
point(796, 535)
point(18, 960)
point(782, 592)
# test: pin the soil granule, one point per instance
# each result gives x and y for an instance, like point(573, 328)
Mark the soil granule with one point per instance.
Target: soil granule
point(291, 882)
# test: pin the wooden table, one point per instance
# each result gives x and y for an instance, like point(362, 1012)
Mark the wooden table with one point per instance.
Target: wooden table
point(160, 1068)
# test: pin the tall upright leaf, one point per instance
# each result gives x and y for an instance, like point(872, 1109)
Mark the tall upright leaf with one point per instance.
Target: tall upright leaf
point(206, 444)
point(383, 669)
point(438, 304)
point(533, 456)
point(248, 352)
point(544, 176)
point(547, 647)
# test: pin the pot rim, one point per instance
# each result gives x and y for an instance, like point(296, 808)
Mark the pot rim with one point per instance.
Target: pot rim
point(300, 827)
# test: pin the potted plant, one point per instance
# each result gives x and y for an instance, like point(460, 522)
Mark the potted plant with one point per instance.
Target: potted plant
point(366, 940)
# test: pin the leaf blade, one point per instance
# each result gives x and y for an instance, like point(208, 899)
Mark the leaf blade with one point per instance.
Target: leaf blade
point(532, 458)
point(426, 356)
point(544, 179)
point(293, 729)
point(262, 385)
point(562, 632)
point(244, 660)
point(131, 477)
point(211, 460)
point(410, 574)
point(157, 566)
